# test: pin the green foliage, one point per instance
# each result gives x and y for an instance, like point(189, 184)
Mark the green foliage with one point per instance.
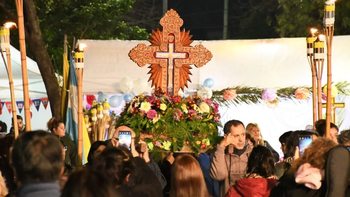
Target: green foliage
point(298, 16)
point(82, 19)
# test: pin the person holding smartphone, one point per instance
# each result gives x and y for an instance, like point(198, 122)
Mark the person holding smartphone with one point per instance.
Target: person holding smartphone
point(125, 137)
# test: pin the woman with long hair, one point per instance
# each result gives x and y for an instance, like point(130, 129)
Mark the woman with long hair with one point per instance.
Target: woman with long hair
point(95, 150)
point(57, 127)
point(187, 178)
point(254, 130)
point(306, 176)
point(259, 178)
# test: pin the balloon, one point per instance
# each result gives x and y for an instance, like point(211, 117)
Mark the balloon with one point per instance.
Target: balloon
point(208, 83)
point(205, 92)
point(102, 97)
point(128, 97)
point(115, 101)
point(140, 86)
point(126, 85)
point(90, 98)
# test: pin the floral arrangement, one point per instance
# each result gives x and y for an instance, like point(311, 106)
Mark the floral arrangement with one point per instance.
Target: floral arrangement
point(172, 123)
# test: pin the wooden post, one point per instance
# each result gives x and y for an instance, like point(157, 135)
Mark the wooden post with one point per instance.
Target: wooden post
point(309, 47)
point(19, 5)
point(5, 46)
point(328, 22)
point(79, 66)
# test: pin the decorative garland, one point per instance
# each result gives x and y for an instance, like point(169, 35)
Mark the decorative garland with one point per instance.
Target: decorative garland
point(251, 95)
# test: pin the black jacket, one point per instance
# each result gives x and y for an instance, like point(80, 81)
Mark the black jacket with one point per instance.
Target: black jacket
point(276, 156)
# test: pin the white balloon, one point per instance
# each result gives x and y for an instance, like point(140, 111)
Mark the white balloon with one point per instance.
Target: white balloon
point(140, 86)
point(126, 85)
point(205, 92)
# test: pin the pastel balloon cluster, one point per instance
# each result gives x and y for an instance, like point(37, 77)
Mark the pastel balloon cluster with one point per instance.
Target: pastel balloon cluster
point(205, 91)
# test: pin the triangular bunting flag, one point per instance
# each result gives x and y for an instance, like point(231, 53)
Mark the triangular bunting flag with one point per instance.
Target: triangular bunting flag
point(9, 106)
point(45, 102)
point(20, 105)
point(30, 102)
point(1, 104)
point(36, 103)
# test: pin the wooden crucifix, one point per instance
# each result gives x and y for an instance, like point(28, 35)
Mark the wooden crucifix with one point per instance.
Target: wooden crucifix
point(334, 106)
point(170, 55)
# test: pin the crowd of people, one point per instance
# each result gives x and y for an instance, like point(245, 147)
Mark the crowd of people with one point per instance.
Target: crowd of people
point(41, 163)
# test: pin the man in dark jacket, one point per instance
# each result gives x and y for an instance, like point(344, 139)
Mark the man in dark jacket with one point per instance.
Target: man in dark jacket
point(37, 160)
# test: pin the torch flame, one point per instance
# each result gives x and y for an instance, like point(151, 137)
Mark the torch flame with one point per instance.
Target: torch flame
point(313, 31)
point(82, 46)
point(9, 25)
point(321, 37)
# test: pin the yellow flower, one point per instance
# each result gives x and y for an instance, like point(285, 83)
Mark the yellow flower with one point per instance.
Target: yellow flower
point(204, 107)
point(145, 106)
point(184, 108)
point(203, 141)
point(163, 106)
point(154, 120)
point(198, 142)
point(195, 107)
point(174, 140)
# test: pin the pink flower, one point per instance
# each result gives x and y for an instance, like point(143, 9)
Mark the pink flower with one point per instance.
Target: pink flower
point(208, 101)
point(191, 112)
point(269, 94)
point(151, 114)
point(216, 107)
point(229, 94)
point(177, 114)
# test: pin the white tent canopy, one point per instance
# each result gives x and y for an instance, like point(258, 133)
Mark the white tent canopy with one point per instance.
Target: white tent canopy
point(35, 82)
point(267, 63)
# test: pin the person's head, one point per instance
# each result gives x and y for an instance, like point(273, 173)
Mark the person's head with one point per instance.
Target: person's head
point(254, 130)
point(88, 183)
point(37, 157)
point(236, 129)
point(249, 139)
point(187, 178)
point(320, 126)
point(5, 144)
point(19, 122)
point(3, 127)
point(114, 164)
point(315, 154)
point(293, 141)
point(57, 127)
point(344, 137)
point(261, 162)
point(95, 150)
point(283, 140)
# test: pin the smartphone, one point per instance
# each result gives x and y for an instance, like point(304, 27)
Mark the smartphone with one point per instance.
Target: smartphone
point(304, 142)
point(348, 147)
point(125, 139)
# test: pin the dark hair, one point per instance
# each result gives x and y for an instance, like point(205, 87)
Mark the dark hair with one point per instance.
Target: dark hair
point(261, 162)
point(229, 124)
point(320, 126)
point(53, 123)
point(284, 137)
point(293, 141)
point(18, 118)
point(344, 137)
point(114, 164)
point(93, 148)
point(248, 136)
point(5, 144)
point(3, 126)
point(88, 183)
point(37, 157)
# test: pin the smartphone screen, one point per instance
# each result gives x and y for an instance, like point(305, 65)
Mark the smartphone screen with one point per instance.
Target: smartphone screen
point(125, 139)
point(304, 142)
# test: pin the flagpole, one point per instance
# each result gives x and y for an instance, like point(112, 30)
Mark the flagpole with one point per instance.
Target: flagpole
point(79, 66)
point(19, 6)
point(5, 47)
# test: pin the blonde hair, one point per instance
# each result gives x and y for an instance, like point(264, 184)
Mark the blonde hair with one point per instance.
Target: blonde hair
point(248, 129)
point(187, 178)
point(3, 188)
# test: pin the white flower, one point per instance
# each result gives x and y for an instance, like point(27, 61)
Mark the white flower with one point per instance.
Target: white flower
point(145, 106)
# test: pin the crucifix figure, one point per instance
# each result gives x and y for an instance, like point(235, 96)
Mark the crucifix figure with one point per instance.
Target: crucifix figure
point(334, 106)
point(170, 55)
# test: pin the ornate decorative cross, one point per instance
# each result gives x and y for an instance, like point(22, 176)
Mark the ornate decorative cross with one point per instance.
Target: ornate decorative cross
point(170, 55)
